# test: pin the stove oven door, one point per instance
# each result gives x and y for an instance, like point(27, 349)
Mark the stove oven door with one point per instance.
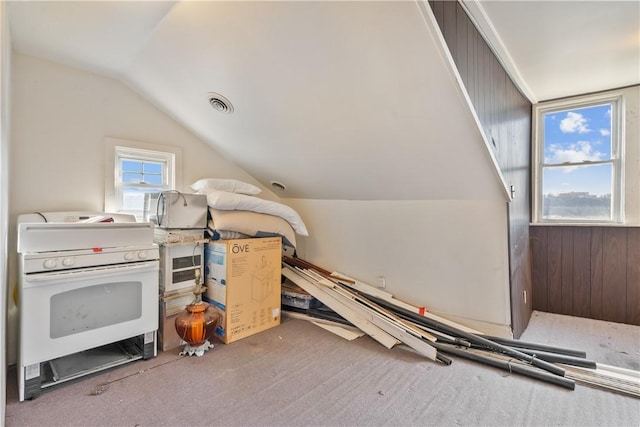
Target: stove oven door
point(66, 312)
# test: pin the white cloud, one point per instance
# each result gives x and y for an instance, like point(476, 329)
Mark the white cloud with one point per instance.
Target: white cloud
point(573, 153)
point(574, 122)
point(605, 132)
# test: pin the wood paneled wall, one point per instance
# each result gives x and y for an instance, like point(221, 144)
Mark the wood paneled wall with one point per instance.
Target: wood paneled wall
point(505, 115)
point(591, 272)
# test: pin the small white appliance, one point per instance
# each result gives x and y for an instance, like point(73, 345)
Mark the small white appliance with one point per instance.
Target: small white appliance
point(179, 262)
point(173, 209)
point(88, 295)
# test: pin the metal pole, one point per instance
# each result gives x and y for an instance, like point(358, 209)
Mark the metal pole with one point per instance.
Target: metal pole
point(472, 338)
point(507, 365)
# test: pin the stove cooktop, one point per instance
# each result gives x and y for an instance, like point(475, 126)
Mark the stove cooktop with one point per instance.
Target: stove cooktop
point(77, 231)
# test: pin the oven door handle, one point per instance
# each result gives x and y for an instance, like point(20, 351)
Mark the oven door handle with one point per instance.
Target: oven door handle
point(88, 273)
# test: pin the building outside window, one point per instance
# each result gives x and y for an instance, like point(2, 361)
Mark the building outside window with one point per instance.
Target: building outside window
point(579, 160)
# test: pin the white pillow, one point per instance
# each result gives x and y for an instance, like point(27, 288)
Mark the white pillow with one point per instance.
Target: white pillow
point(226, 201)
point(203, 186)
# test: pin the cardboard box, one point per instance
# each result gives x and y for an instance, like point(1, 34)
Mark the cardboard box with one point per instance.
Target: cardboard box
point(243, 279)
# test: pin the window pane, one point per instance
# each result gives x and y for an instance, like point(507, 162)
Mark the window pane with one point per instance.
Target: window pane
point(577, 192)
point(131, 166)
point(153, 179)
point(131, 177)
point(577, 135)
point(155, 168)
point(139, 171)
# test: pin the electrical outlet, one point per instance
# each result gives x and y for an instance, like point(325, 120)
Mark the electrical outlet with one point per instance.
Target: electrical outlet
point(382, 282)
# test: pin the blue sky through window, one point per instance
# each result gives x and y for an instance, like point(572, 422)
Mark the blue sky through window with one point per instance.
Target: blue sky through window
point(134, 171)
point(574, 136)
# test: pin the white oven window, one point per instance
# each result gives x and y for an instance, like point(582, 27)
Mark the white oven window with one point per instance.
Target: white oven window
point(94, 307)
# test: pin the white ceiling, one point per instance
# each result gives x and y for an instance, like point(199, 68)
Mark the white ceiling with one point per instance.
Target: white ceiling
point(337, 100)
point(564, 48)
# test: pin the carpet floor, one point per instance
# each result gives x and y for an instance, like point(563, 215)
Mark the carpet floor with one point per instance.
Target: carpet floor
point(298, 374)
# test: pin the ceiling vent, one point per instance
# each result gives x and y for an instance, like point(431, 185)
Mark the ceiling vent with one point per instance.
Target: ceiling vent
point(278, 185)
point(220, 103)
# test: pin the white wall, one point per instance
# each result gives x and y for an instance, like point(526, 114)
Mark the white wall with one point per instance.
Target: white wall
point(5, 65)
point(450, 256)
point(60, 117)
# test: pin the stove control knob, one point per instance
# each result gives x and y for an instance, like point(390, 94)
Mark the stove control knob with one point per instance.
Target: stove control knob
point(49, 263)
point(68, 262)
point(142, 255)
point(129, 256)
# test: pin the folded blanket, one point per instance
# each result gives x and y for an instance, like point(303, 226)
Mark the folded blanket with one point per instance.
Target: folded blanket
point(252, 224)
point(226, 201)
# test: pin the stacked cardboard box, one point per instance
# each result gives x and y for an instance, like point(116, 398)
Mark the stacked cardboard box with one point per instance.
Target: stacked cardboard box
point(243, 280)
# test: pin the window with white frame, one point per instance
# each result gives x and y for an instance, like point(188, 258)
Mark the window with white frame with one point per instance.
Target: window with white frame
point(137, 171)
point(578, 160)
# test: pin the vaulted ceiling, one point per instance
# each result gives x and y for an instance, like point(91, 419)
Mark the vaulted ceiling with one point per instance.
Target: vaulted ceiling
point(337, 100)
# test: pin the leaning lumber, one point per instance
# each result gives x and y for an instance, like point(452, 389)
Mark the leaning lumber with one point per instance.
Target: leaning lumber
point(339, 330)
point(357, 297)
point(386, 296)
point(320, 313)
point(414, 326)
point(476, 339)
point(353, 331)
point(366, 289)
point(442, 337)
point(402, 334)
point(339, 307)
point(407, 335)
point(379, 317)
point(619, 382)
point(630, 374)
